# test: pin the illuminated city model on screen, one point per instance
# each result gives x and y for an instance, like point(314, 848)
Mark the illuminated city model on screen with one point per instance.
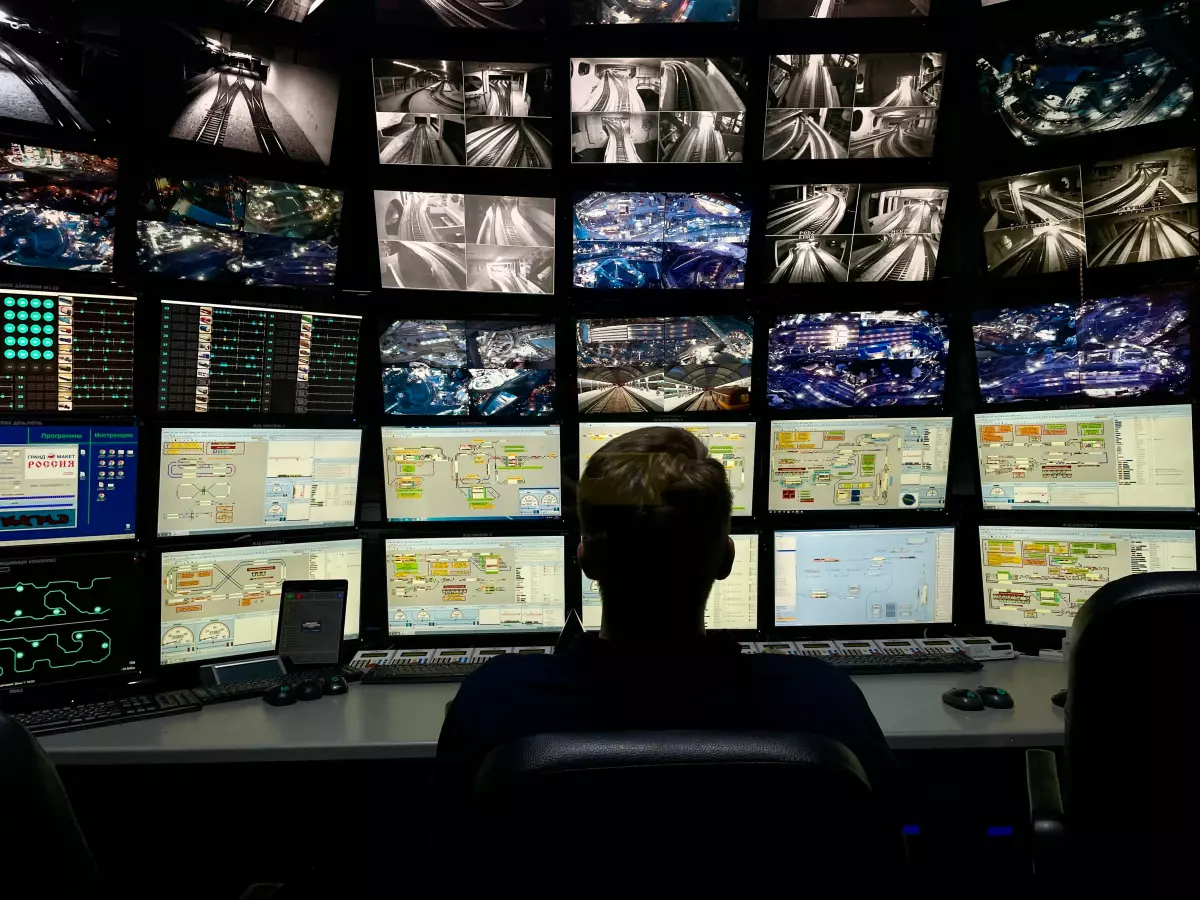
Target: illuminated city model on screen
point(1041, 577)
point(663, 364)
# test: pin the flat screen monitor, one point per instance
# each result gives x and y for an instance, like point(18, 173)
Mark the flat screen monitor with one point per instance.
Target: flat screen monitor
point(861, 359)
point(224, 357)
point(668, 12)
point(227, 229)
point(469, 472)
point(1040, 577)
point(66, 353)
point(829, 233)
point(859, 465)
point(225, 480)
point(1117, 458)
point(654, 241)
point(848, 9)
point(664, 364)
point(732, 603)
point(485, 14)
point(872, 576)
point(67, 618)
point(502, 368)
point(856, 105)
point(443, 112)
point(475, 585)
point(63, 484)
point(655, 109)
point(465, 242)
point(224, 601)
point(729, 443)
point(1130, 345)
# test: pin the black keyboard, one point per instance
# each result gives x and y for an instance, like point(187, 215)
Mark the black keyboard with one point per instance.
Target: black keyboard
point(419, 673)
point(909, 663)
point(107, 712)
point(248, 690)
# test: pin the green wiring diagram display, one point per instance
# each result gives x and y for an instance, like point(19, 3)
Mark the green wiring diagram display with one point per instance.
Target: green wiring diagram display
point(52, 627)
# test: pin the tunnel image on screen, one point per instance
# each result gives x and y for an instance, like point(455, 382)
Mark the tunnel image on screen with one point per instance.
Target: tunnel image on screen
point(659, 364)
point(828, 233)
point(1123, 346)
point(58, 63)
point(629, 110)
point(653, 12)
point(234, 230)
point(240, 92)
point(1128, 69)
point(435, 367)
point(295, 10)
point(849, 9)
point(57, 209)
point(503, 14)
point(832, 360)
point(865, 106)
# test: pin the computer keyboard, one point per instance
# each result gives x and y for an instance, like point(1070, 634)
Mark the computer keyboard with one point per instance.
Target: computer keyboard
point(419, 673)
point(256, 687)
point(909, 663)
point(107, 712)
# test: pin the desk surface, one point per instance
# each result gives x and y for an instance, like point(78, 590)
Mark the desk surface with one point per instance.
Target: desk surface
point(403, 721)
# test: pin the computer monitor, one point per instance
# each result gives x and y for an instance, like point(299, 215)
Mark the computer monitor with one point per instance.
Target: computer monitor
point(729, 443)
point(464, 472)
point(859, 464)
point(221, 602)
point(61, 484)
point(1116, 458)
point(66, 353)
point(222, 357)
point(870, 576)
point(475, 585)
point(732, 603)
point(214, 480)
point(67, 618)
point(1040, 577)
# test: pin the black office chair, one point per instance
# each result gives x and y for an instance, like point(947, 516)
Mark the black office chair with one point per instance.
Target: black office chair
point(1127, 748)
point(38, 825)
point(658, 802)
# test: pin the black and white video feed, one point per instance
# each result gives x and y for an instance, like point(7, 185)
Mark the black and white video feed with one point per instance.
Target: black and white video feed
point(1034, 223)
point(450, 113)
point(321, 11)
point(824, 233)
point(863, 106)
point(848, 9)
point(448, 242)
point(241, 92)
point(1128, 69)
point(58, 65)
point(497, 14)
point(631, 110)
point(653, 12)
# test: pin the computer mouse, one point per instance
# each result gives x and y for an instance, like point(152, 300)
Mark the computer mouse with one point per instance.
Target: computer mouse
point(334, 685)
point(996, 698)
point(1060, 699)
point(309, 689)
point(280, 695)
point(962, 698)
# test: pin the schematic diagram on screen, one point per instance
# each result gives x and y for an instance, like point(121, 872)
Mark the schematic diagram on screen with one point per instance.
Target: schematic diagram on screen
point(1048, 579)
point(55, 625)
point(1048, 451)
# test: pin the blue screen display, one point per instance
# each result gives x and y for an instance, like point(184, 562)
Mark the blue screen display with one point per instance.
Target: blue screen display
point(60, 484)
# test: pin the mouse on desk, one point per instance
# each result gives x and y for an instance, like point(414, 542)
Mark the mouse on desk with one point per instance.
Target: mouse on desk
point(996, 698)
point(962, 698)
point(309, 689)
point(280, 695)
point(1059, 699)
point(334, 685)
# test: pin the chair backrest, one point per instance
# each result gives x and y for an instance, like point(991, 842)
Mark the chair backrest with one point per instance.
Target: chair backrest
point(38, 823)
point(657, 800)
point(1129, 711)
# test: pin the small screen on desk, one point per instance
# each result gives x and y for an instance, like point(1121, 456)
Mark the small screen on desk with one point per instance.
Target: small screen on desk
point(412, 654)
point(936, 643)
point(532, 650)
point(815, 646)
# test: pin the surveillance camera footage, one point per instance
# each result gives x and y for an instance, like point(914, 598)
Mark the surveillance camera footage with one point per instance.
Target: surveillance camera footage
point(664, 364)
point(1131, 68)
point(1113, 347)
point(862, 106)
point(660, 240)
point(849, 9)
point(57, 209)
point(827, 233)
point(499, 368)
point(497, 14)
point(845, 360)
point(57, 65)
point(465, 242)
point(653, 12)
point(631, 110)
point(293, 10)
point(233, 230)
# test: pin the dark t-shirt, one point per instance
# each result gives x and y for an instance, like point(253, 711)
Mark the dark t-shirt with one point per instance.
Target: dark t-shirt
point(597, 685)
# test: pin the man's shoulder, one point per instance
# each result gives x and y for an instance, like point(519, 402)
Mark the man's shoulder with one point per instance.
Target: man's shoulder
point(512, 668)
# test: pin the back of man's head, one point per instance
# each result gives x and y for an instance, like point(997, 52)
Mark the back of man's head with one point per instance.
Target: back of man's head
point(654, 509)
